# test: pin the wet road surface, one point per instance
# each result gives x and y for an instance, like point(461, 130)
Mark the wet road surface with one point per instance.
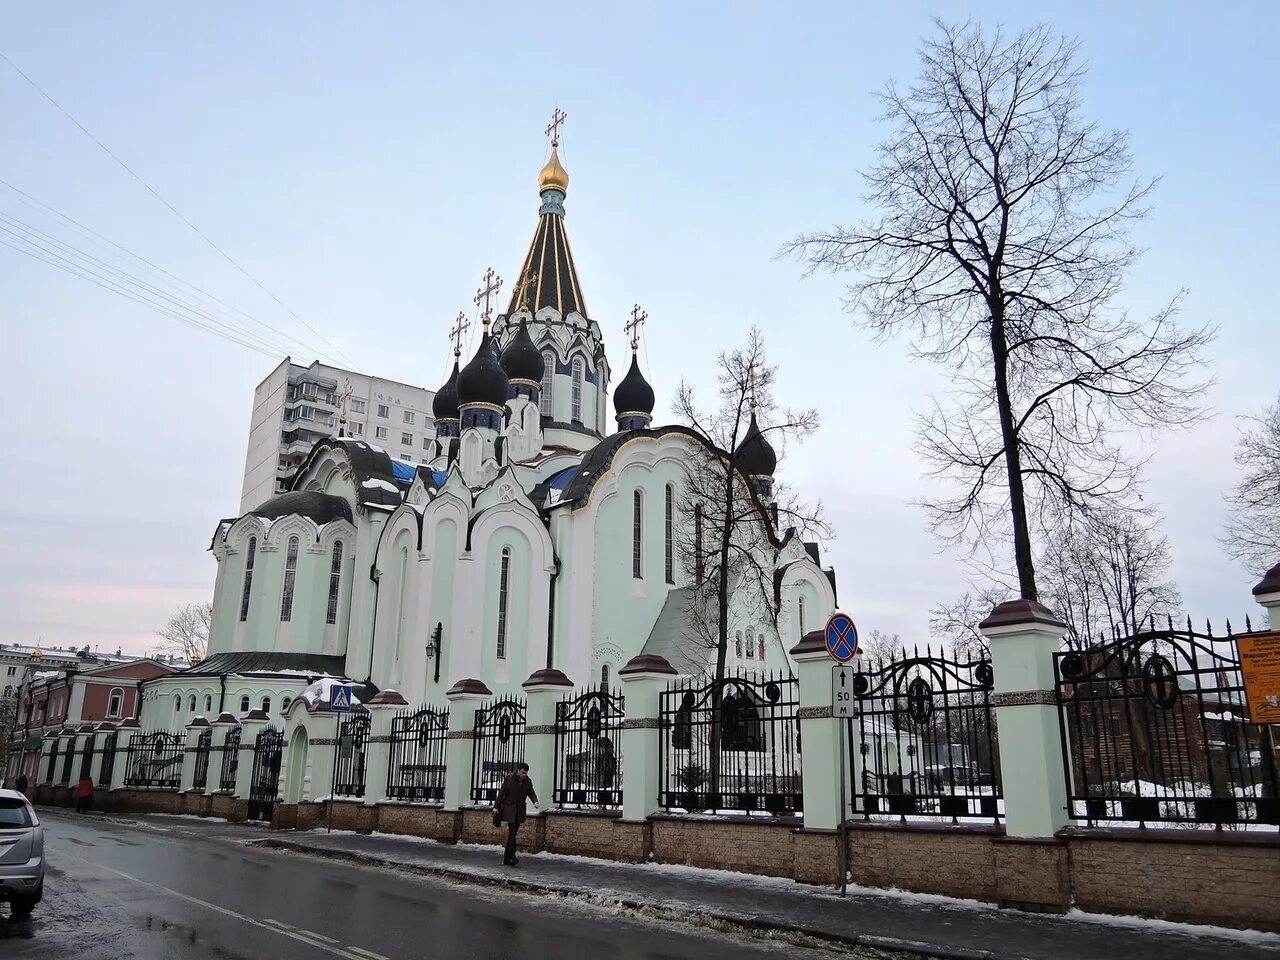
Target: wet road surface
point(118, 890)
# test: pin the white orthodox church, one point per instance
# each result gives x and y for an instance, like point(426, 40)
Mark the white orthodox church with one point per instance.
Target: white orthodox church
point(539, 535)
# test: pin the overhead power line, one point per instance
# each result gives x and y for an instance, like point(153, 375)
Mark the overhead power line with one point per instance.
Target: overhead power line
point(129, 170)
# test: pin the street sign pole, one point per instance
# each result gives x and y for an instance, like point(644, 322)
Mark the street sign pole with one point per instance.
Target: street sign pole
point(844, 821)
point(841, 637)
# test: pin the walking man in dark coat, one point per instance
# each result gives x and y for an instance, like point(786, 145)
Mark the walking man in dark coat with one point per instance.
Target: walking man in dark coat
point(510, 807)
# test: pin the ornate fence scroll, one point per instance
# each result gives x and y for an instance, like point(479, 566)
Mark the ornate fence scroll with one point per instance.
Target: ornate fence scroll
point(204, 743)
point(924, 743)
point(588, 752)
point(230, 761)
point(1156, 729)
point(731, 746)
point(497, 748)
point(154, 760)
point(350, 757)
point(418, 740)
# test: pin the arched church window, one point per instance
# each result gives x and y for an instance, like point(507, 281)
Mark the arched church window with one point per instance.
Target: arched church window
point(248, 578)
point(760, 645)
point(284, 704)
point(402, 599)
point(115, 703)
point(504, 589)
point(244, 704)
point(737, 643)
point(751, 648)
point(177, 703)
point(290, 574)
point(544, 398)
point(266, 704)
point(637, 535)
point(575, 413)
point(669, 535)
point(604, 677)
point(800, 608)
point(208, 702)
point(335, 580)
point(191, 704)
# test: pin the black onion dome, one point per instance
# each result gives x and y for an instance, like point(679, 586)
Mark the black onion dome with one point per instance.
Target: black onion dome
point(445, 404)
point(483, 380)
point(755, 457)
point(522, 360)
point(320, 507)
point(634, 395)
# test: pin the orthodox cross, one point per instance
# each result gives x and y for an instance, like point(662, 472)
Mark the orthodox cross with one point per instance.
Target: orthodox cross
point(461, 326)
point(522, 288)
point(751, 385)
point(553, 128)
point(638, 317)
point(492, 284)
point(344, 398)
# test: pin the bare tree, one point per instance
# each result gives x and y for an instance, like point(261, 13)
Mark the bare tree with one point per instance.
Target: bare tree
point(1252, 534)
point(187, 631)
point(729, 544)
point(955, 624)
point(1001, 244)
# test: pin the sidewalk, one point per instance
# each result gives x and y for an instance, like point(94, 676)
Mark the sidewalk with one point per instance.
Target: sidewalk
point(936, 926)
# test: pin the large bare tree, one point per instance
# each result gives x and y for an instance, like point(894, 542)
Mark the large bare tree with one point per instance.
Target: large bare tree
point(186, 632)
point(1252, 534)
point(1000, 242)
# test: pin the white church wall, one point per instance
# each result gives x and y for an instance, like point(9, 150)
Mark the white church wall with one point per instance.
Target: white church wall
point(363, 592)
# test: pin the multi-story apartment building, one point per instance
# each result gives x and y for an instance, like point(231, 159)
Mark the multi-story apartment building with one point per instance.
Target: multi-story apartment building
point(295, 406)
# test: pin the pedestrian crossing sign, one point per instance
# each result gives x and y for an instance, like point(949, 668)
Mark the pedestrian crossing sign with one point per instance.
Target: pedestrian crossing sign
point(340, 698)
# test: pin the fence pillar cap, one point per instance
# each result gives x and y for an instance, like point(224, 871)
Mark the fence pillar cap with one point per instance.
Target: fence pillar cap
point(1017, 613)
point(106, 725)
point(469, 688)
point(225, 717)
point(548, 678)
point(85, 728)
point(647, 665)
point(1268, 588)
point(812, 646)
point(198, 722)
point(388, 698)
point(130, 724)
point(256, 715)
point(66, 732)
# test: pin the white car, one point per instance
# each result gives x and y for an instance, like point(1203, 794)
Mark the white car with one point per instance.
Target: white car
point(21, 853)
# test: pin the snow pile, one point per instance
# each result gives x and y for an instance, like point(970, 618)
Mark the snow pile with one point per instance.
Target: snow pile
point(322, 692)
point(375, 483)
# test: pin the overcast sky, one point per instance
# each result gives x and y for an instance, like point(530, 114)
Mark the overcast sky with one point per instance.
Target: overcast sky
point(366, 162)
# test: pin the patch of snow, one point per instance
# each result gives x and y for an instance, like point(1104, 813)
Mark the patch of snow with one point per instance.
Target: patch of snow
point(322, 692)
point(1172, 926)
point(375, 483)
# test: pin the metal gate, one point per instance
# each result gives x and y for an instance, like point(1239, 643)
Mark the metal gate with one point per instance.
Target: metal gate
point(265, 782)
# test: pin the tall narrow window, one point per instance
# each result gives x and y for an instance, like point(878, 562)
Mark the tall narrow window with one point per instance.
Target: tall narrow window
point(116, 703)
point(191, 704)
point(401, 605)
point(244, 704)
point(751, 649)
point(335, 580)
point(698, 568)
point(637, 534)
point(208, 702)
point(575, 413)
point(760, 644)
point(668, 534)
point(548, 373)
point(504, 593)
point(604, 677)
point(737, 645)
point(800, 607)
point(248, 578)
point(266, 704)
point(290, 575)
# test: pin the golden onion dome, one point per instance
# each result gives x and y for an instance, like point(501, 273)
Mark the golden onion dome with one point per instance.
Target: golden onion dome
point(553, 176)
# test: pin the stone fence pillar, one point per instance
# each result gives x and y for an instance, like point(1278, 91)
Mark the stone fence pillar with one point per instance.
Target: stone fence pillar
point(125, 733)
point(464, 697)
point(1023, 635)
point(382, 710)
point(85, 743)
point(643, 680)
point(1267, 594)
point(820, 737)
point(543, 690)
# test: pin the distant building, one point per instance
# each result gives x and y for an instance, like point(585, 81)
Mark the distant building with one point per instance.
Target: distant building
point(296, 406)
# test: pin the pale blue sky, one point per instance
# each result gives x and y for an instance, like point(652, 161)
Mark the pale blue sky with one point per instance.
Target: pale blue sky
point(368, 161)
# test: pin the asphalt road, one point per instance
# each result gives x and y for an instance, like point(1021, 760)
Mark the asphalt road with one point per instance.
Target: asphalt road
point(115, 890)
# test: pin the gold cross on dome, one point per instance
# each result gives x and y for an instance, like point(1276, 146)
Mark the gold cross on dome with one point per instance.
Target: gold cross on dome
point(638, 318)
point(460, 326)
point(492, 284)
point(553, 128)
point(751, 384)
point(344, 400)
point(527, 279)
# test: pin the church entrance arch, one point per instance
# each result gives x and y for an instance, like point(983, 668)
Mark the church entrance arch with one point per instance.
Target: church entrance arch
point(298, 746)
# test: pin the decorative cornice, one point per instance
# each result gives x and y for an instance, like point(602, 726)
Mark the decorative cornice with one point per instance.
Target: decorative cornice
point(380, 739)
point(540, 729)
point(323, 742)
point(460, 735)
point(641, 723)
point(1025, 698)
point(813, 713)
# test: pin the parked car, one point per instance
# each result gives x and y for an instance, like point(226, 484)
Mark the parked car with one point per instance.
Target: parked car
point(21, 853)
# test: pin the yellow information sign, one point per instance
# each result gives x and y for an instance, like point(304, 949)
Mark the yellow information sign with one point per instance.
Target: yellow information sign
point(1260, 665)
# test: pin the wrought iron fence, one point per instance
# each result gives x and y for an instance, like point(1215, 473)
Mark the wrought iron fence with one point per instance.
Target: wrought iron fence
point(53, 760)
point(588, 751)
point(731, 745)
point(230, 761)
point(349, 759)
point(497, 748)
point(86, 757)
point(418, 742)
point(68, 759)
point(923, 743)
point(264, 780)
point(108, 758)
point(204, 744)
point(1155, 728)
point(154, 760)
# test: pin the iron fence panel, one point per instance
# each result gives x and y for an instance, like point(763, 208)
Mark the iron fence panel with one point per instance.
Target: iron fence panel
point(86, 758)
point(497, 747)
point(588, 756)
point(1155, 728)
point(418, 741)
point(924, 742)
point(264, 783)
point(68, 759)
point(154, 760)
point(204, 744)
point(108, 758)
point(731, 745)
point(230, 761)
point(350, 756)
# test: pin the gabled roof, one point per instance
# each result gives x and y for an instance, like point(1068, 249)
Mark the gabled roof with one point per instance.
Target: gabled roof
point(674, 636)
point(372, 470)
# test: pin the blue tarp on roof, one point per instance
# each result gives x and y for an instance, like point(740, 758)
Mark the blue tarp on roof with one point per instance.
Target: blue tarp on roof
point(403, 472)
point(439, 476)
point(558, 481)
